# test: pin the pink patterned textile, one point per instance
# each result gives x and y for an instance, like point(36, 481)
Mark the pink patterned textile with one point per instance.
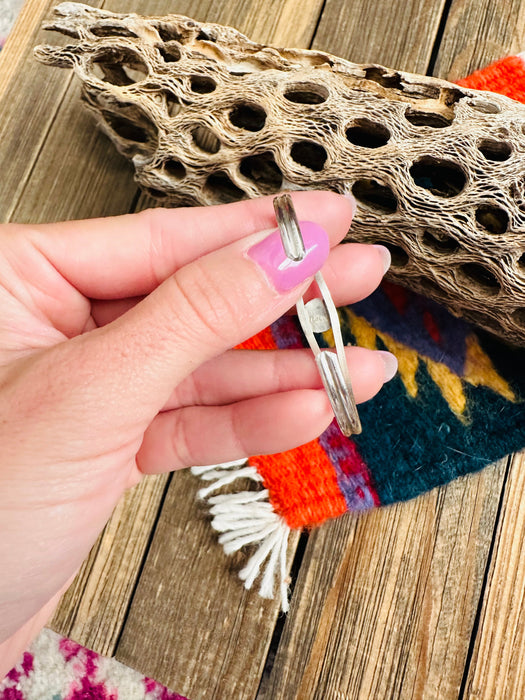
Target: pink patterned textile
point(56, 668)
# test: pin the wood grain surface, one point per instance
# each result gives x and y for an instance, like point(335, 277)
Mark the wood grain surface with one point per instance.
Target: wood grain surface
point(497, 667)
point(94, 608)
point(395, 34)
point(420, 600)
point(16, 53)
point(191, 620)
point(478, 33)
point(376, 613)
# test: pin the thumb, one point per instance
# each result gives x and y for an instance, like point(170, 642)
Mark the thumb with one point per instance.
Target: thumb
point(205, 308)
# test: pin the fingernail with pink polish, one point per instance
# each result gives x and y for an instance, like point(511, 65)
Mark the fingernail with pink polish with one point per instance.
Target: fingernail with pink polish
point(390, 362)
point(285, 274)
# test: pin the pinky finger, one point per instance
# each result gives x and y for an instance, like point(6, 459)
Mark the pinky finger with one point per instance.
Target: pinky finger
point(200, 435)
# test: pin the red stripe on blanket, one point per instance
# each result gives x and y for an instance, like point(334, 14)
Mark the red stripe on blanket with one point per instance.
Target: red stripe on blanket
point(506, 77)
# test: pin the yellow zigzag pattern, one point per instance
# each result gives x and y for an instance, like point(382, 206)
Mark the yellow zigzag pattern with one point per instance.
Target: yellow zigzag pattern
point(479, 370)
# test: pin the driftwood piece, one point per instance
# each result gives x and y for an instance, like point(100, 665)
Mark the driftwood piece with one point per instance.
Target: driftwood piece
point(207, 116)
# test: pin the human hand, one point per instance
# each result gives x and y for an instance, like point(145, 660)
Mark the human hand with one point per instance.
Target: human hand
point(115, 339)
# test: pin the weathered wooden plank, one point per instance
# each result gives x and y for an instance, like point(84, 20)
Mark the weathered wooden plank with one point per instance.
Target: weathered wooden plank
point(475, 35)
point(30, 96)
point(15, 50)
point(395, 34)
point(77, 174)
point(191, 624)
point(385, 603)
point(273, 22)
point(93, 609)
point(478, 33)
point(497, 667)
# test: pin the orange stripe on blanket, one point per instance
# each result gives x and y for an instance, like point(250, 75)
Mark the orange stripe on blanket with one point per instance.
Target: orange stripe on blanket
point(262, 341)
point(302, 484)
point(506, 77)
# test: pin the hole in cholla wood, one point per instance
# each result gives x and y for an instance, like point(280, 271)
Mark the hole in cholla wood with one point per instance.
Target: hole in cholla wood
point(219, 185)
point(173, 104)
point(383, 77)
point(119, 66)
point(495, 150)
point(170, 52)
point(247, 116)
point(133, 128)
point(205, 139)
point(307, 94)
point(202, 85)
point(167, 32)
point(175, 168)
point(420, 118)
point(441, 177)
point(368, 134)
point(480, 104)
point(264, 171)
point(482, 277)
point(125, 128)
point(440, 242)
point(109, 29)
point(375, 195)
point(309, 154)
point(492, 218)
point(205, 36)
point(519, 316)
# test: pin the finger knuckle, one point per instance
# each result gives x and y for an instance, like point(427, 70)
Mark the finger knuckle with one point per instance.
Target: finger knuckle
point(158, 254)
point(207, 309)
point(181, 440)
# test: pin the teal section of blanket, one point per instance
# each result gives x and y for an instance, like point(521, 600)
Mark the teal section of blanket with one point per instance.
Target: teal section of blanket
point(414, 435)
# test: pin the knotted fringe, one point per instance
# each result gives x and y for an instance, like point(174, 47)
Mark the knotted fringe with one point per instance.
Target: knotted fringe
point(247, 518)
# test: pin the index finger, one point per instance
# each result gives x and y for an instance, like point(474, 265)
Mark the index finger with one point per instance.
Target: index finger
point(131, 255)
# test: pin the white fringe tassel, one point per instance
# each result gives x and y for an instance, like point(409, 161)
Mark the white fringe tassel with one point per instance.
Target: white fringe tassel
point(247, 518)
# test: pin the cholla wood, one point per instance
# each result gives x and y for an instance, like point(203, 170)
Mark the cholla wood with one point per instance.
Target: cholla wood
point(207, 116)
